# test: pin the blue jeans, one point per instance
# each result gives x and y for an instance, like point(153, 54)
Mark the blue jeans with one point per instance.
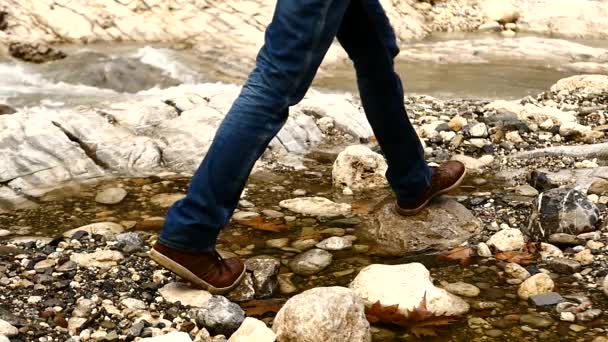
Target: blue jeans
point(295, 43)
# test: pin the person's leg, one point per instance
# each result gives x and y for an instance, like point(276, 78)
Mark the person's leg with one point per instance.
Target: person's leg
point(296, 41)
point(369, 40)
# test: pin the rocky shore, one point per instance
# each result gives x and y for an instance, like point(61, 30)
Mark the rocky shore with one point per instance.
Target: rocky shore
point(518, 253)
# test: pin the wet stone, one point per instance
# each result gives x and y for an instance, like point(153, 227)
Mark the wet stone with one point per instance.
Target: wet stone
point(589, 315)
point(220, 316)
point(265, 270)
point(536, 321)
point(345, 222)
point(111, 196)
point(244, 291)
point(564, 239)
point(311, 262)
point(335, 243)
point(563, 265)
point(546, 299)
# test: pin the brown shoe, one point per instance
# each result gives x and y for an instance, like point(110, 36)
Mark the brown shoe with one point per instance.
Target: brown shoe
point(446, 177)
point(210, 271)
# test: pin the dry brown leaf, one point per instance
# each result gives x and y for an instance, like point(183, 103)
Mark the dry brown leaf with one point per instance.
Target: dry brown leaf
point(362, 207)
point(259, 223)
point(462, 254)
point(522, 258)
point(261, 307)
point(420, 321)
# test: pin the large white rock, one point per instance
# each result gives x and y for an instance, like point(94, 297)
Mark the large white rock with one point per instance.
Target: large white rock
point(405, 285)
point(588, 84)
point(323, 314)
point(359, 168)
point(316, 206)
point(106, 229)
point(499, 10)
point(509, 239)
point(537, 284)
point(253, 330)
point(103, 258)
point(7, 329)
point(179, 292)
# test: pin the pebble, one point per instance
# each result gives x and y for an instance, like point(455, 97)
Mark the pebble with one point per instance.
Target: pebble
point(536, 284)
point(4, 232)
point(509, 239)
point(550, 251)
point(111, 196)
point(311, 262)
point(166, 200)
point(526, 190)
point(567, 317)
point(536, 321)
point(516, 271)
point(595, 245)
point(335, 243)
point(588, 315)
point(564, 239)
point(462, 289)
point(577, 328)
point(221, 316)
point(244, 215)
point(278, 243)
point(483, 250)
point(272, 213)
point(585, 257)
point(7, 329)
point(286, 286)
point(304, 245)
point(563, 265)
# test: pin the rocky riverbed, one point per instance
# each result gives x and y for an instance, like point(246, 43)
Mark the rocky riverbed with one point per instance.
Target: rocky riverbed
point(518, 253)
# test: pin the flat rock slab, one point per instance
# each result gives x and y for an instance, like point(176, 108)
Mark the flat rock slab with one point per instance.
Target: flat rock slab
point(442, 225)
point(546, 299)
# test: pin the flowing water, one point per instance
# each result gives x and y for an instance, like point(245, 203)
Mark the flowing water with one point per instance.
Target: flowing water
point(74, 81)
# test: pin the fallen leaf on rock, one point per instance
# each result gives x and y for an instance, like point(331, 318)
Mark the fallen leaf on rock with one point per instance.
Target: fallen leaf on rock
point(259, 223)
point(262, 306)
point(420, 321)
point(463, 254)
point(522, 258)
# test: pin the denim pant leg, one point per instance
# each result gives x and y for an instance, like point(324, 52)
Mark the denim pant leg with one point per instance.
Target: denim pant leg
point(369, 40)
point(295, 43)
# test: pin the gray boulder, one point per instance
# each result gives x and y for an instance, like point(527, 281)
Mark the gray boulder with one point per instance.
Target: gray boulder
point(562, 210)
point(442, 225)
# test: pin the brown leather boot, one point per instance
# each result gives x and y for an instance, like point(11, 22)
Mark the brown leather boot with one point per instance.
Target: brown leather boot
point(210, 271)
point(446, 177)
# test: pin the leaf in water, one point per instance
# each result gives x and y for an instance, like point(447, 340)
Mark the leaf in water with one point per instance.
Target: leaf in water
point(261, 307)
point(522, 258)
point(362, 207)
point(259, 223)
point(383, 314)
point(423, 331)
point(462, 254)
point(419, 320)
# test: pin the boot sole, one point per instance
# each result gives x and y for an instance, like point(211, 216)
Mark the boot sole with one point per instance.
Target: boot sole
point(183, 272)
point(412, 212)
